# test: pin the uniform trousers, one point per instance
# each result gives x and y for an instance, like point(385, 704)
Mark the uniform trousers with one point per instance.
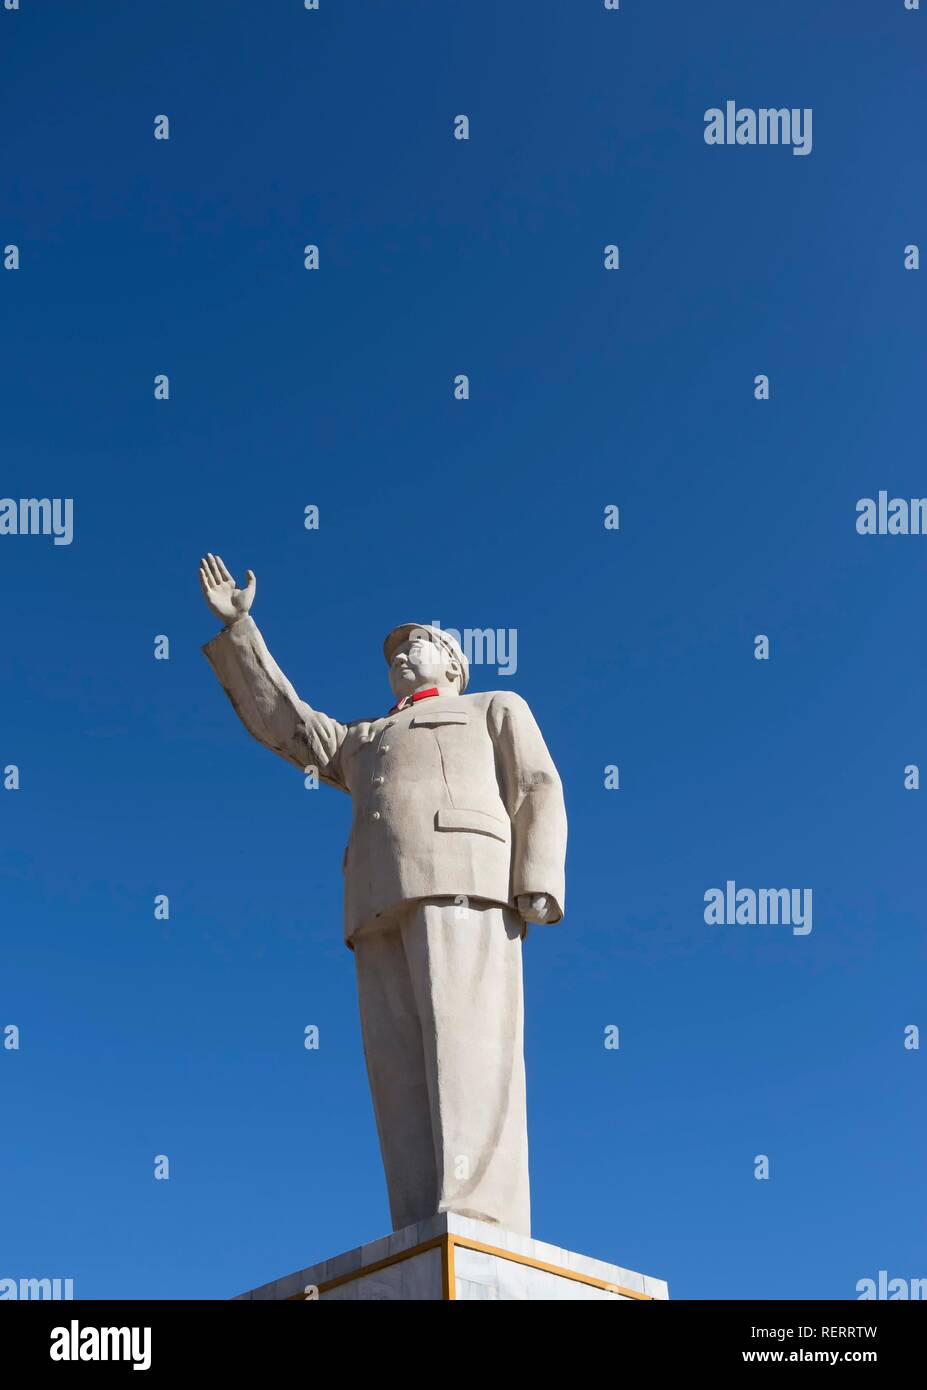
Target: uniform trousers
point(442, 1018)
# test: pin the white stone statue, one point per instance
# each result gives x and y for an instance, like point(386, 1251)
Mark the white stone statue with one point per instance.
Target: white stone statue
point(458, 841)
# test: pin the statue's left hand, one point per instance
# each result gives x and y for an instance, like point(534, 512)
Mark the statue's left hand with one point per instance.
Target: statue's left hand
point(535, 907)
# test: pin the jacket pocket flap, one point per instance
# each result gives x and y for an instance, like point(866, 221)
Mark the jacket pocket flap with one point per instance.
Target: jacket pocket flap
point(481, 822)
point(429, 719)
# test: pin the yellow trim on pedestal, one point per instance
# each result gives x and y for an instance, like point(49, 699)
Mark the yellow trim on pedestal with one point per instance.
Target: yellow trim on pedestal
point(550, 1268)
point(447, 1243)
point(450, 1277)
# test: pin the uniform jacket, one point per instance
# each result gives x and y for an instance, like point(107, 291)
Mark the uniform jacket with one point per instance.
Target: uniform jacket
point(454, 796)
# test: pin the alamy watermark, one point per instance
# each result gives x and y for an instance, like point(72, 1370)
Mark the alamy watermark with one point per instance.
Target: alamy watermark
point(486, 646)
point(766, 126)
point(77, 1343)
point(36, 1289)
point(898, 516)
point(747, 907)
point(885, 1288)
point(38, 516)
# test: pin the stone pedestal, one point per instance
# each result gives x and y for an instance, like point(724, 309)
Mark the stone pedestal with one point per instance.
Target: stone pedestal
point(452, 1257)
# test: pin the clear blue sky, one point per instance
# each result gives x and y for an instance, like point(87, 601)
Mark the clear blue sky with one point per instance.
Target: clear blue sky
point(334, 388)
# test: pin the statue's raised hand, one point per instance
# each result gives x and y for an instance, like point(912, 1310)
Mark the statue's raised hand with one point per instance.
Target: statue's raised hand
point(228, 603)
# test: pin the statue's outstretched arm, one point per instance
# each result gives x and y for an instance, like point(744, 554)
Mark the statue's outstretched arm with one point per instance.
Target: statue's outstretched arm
point(263, 698)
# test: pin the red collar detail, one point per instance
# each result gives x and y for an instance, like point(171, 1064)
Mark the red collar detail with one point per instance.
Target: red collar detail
point(411, 699)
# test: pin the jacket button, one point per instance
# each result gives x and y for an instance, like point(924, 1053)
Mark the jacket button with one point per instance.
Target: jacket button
point(375, 816)
point(378, 781)
point(384, 747)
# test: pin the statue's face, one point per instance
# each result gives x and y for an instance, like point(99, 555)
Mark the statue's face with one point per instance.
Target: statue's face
point(419, 663)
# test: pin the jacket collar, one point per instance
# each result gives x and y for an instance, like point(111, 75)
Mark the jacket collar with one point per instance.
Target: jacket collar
point(408, 700)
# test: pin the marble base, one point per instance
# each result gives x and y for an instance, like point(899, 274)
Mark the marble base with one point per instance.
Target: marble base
point(450, 1257)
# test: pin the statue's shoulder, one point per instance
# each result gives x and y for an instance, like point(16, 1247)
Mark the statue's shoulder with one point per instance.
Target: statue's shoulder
point(499, 701)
